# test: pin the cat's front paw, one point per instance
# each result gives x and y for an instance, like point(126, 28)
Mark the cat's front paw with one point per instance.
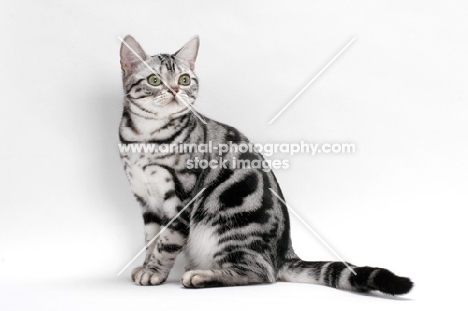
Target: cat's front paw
point(147, 276)
point(135, 271)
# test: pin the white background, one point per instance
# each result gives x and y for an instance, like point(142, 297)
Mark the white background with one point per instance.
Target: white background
point(68, 222)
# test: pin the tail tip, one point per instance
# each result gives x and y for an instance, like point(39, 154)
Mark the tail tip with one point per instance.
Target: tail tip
point(389, 283)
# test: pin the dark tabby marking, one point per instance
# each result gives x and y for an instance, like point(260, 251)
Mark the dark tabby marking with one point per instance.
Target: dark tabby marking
point(237, 232)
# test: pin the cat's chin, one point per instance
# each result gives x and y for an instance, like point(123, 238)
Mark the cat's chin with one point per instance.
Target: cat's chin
point(176, 106)
point(181, 112)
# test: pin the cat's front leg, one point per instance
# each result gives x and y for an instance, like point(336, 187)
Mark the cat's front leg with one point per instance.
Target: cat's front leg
point(152, 228)
point(165, 249)
point(154, 188)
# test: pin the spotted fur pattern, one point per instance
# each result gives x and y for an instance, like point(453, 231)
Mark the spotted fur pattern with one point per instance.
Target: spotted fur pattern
point(236, 232)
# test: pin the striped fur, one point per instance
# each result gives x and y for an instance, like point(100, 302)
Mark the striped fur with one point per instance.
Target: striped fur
point(237, 232)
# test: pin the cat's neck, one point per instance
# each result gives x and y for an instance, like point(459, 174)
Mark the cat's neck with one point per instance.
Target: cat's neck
point(140, 126)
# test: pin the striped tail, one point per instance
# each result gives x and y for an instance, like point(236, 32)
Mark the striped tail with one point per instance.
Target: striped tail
point(336, 274)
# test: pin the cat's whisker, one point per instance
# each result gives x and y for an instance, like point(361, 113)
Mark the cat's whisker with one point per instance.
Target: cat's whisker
point(120, 96)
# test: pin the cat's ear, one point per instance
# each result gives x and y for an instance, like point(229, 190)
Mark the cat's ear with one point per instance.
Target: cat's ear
point(129, 58)
point(189, 51)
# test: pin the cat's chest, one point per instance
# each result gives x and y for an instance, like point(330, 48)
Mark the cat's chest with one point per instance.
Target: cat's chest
point(152, 176)
point(149, 178)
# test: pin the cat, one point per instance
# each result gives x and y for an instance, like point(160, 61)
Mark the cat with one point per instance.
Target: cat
point(236, 232)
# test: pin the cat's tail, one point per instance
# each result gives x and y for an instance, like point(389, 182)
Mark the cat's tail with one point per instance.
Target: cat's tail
point(336, 274)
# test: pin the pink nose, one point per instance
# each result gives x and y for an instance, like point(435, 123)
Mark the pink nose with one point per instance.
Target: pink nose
point(175, 89)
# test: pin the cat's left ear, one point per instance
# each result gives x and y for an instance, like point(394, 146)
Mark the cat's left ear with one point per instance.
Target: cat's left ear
point(189, 51)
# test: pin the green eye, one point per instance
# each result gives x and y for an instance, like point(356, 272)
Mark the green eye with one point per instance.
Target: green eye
point(184, 79)
point(154, 80)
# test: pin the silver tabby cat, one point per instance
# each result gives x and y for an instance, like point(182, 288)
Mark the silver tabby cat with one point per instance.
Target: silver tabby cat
point(236, 232)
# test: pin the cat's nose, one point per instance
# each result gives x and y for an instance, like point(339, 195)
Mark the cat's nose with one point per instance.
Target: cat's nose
point(175, 89)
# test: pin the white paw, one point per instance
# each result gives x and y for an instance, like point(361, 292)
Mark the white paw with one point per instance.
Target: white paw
point(196, 278)
point(146, 276)
point(135, 271)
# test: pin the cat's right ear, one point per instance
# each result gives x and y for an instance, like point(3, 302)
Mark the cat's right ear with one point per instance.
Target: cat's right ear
point(131, 54)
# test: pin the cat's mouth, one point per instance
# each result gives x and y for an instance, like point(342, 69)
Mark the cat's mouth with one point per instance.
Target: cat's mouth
point(182, 101)
point(165, 103)
point(173, 102)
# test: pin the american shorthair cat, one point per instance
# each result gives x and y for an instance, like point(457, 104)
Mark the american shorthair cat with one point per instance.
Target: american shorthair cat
point(236, 232)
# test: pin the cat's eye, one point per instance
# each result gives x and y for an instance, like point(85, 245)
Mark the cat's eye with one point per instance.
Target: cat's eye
point(184, 79)
point(154, 80)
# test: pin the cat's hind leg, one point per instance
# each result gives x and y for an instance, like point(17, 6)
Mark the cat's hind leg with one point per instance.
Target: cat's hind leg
point(218, 277)
point(221, 277)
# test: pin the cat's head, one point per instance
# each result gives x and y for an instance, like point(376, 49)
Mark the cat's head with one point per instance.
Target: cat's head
point(161, 85)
